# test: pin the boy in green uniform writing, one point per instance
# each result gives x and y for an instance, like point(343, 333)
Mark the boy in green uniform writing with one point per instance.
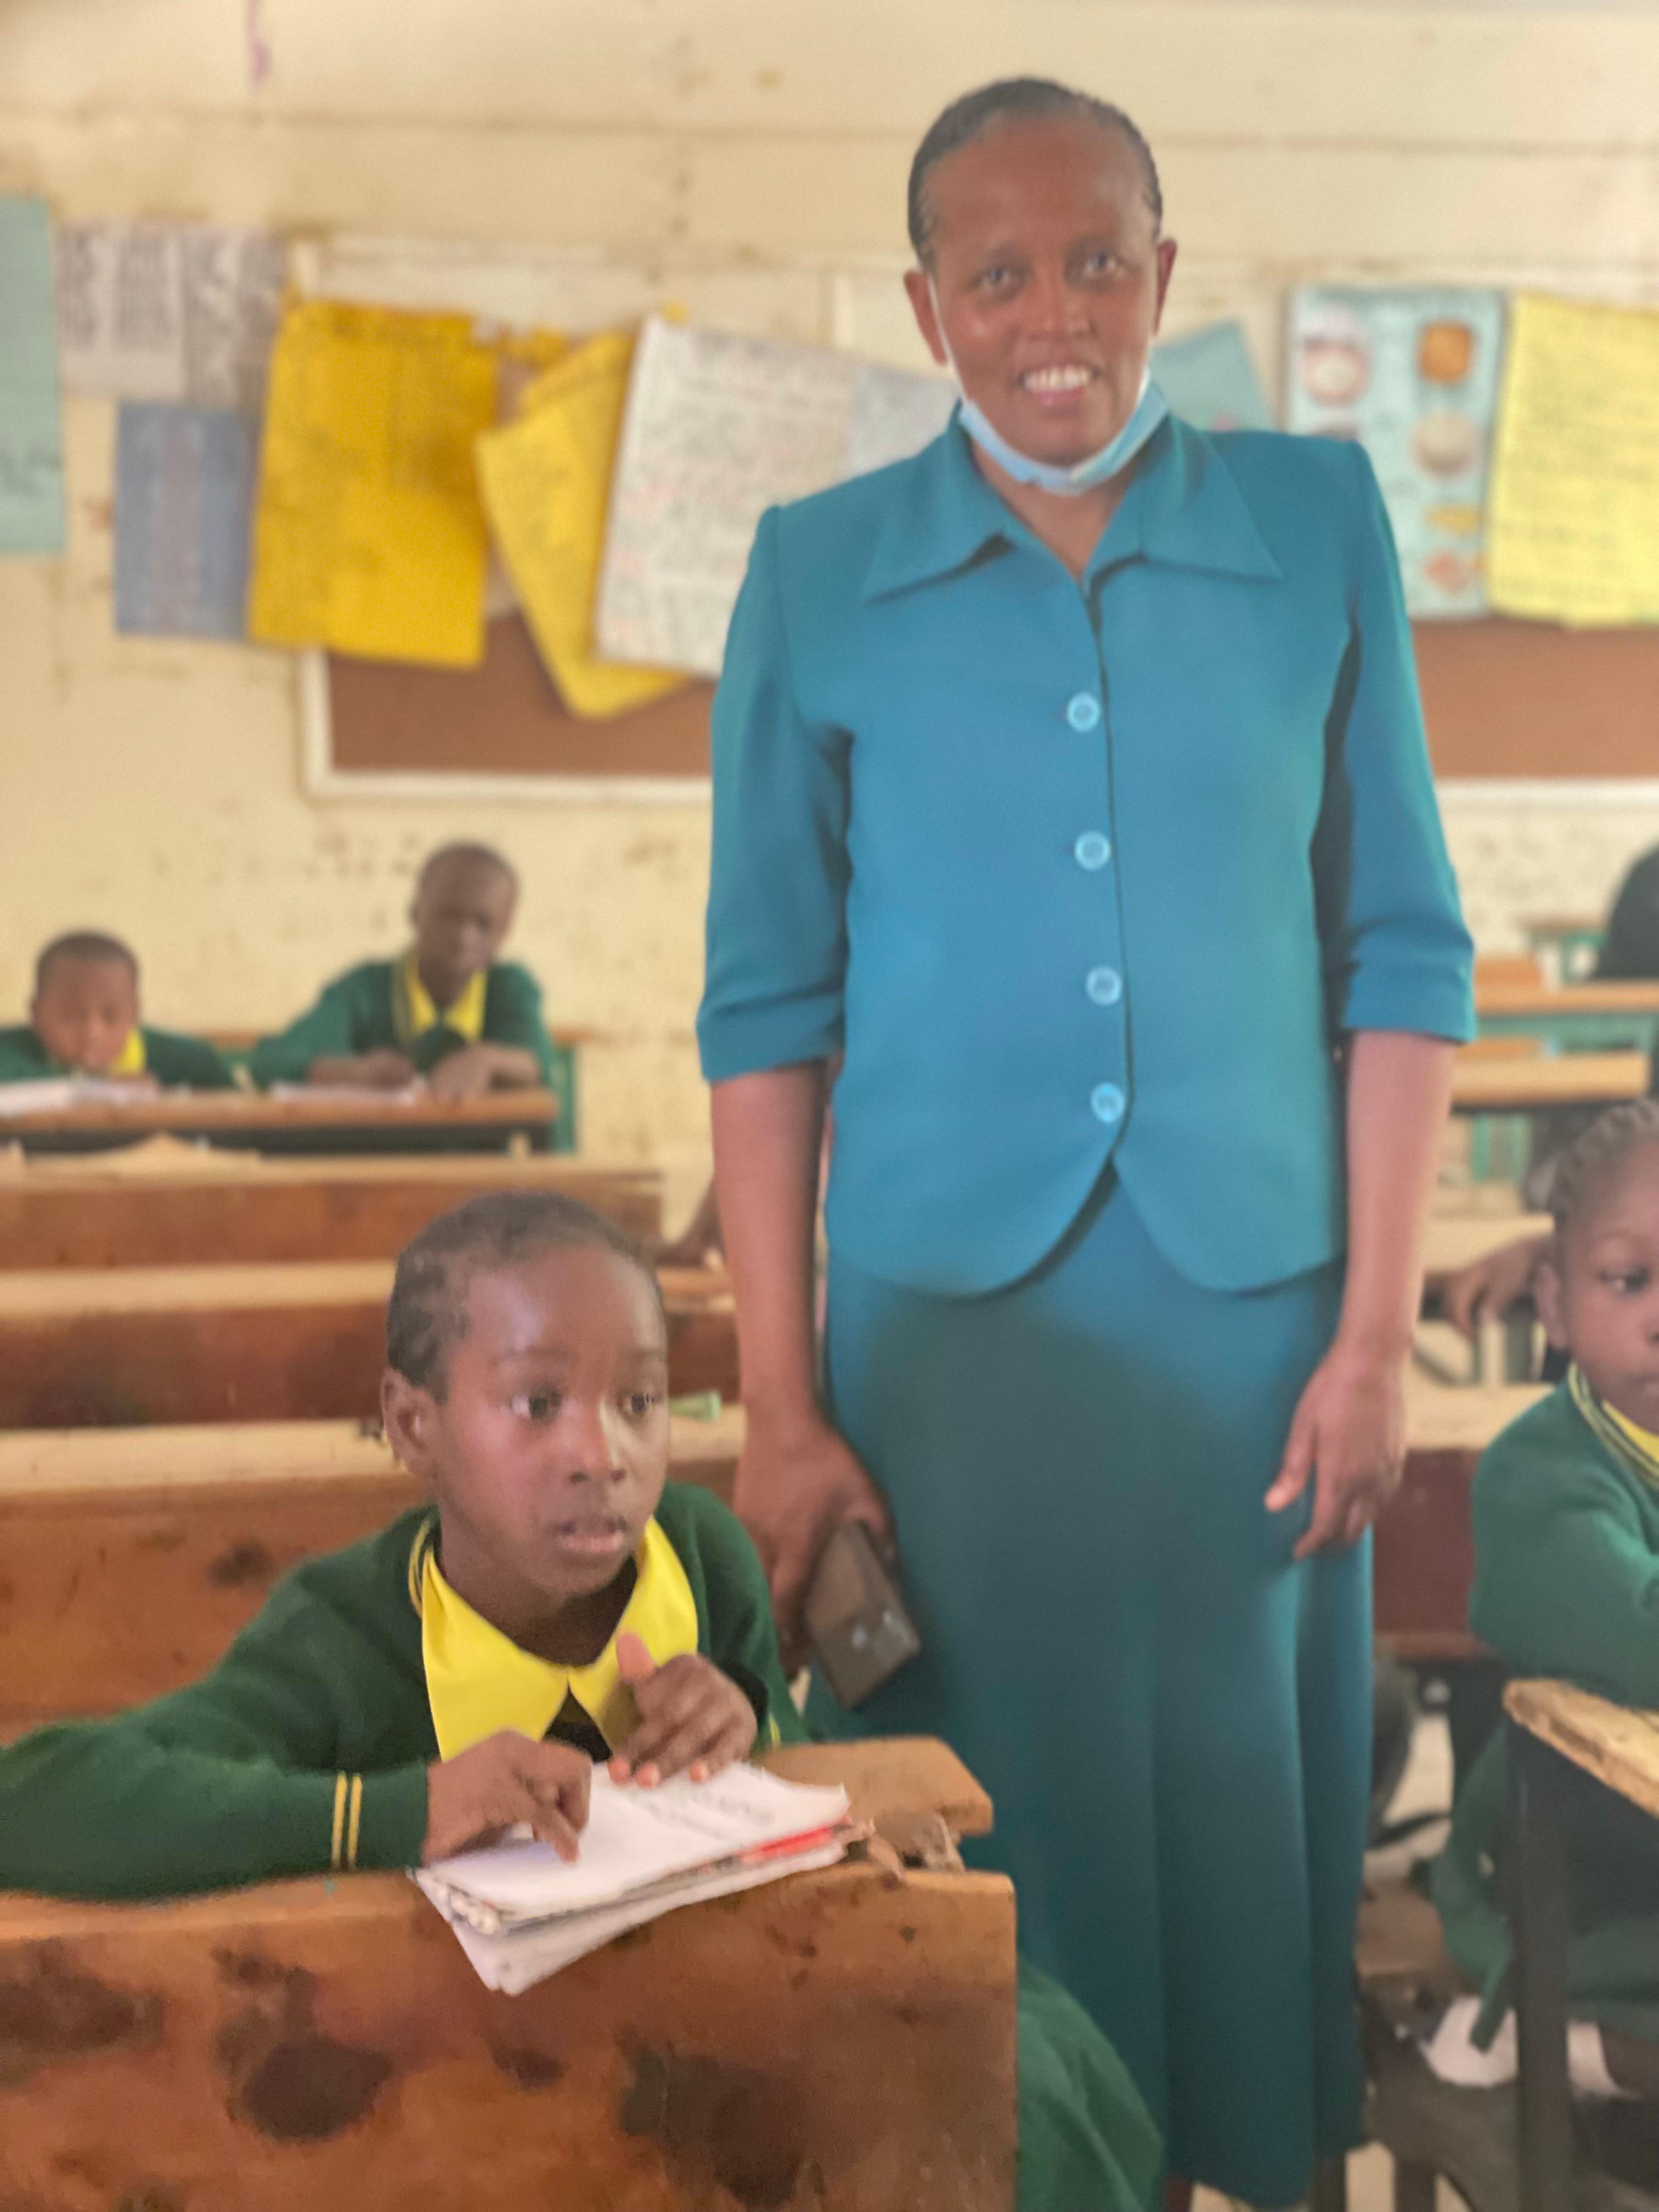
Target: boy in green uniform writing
point(83, 1020)
point(418, 1693)
point(1567, 1531)
point(447, 1010)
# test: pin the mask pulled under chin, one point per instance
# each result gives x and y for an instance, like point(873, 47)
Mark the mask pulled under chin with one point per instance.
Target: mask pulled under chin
point(1069, 479)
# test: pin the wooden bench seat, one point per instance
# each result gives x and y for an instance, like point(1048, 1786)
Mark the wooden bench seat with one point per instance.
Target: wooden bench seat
point(142, 1210)
point(842, 2041)
point(129, 1558)
point(125, 1347)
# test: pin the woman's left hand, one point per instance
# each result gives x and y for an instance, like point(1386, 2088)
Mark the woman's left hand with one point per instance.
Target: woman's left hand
point(1348, 1439)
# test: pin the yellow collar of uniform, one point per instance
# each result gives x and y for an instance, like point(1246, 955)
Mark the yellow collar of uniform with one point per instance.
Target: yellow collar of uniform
point(417, 1012)
point(478, 1680)
point(1636, 1447)
point(132, 1059)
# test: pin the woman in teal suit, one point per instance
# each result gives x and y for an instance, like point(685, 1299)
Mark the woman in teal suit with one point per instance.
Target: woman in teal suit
point(1071, 794)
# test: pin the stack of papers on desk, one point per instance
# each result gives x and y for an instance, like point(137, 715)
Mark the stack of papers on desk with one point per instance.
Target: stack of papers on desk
point(55, 1094)
point(520, 1912)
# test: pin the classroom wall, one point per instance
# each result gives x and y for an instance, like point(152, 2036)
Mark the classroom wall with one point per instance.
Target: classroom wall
point(750, 153)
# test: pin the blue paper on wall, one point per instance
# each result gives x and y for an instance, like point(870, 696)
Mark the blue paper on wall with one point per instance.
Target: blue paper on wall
point(1209, 379)
point(31, 443)
point(185, 480)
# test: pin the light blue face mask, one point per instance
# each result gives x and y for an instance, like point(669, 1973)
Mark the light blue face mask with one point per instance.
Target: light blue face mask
point(1069, 480)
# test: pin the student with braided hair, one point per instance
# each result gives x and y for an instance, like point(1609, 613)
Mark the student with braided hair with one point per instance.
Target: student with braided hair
point(1567, 1535)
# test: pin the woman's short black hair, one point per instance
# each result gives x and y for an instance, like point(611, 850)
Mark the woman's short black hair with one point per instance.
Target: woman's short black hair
point(1012, 100)
point(1594, 1161)
point(426, 1315)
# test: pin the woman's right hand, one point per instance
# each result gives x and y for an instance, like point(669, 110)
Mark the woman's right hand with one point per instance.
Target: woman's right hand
point(1485, 1290)
point(798, 1482)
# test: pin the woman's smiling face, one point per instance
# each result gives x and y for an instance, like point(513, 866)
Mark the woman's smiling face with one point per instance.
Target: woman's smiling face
point(1049, 277)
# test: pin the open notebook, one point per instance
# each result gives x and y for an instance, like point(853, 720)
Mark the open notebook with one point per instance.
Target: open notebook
point(519, 1911)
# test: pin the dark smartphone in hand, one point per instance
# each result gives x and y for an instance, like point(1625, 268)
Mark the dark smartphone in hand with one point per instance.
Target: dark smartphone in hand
point(856, 1620)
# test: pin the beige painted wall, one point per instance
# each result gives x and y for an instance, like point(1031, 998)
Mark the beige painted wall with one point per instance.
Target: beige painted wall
point(749, 154)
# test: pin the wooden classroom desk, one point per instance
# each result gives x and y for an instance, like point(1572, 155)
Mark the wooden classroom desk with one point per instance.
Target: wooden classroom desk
point(137, 1209)
point(131, 1557)
point(1553, 1726)
point(1450, 1241)
point(122, 1347)
point(329, 1122)
point(841, 2041)
point(1528, 1083)
point(1422, 1548)
point(1587, 1017)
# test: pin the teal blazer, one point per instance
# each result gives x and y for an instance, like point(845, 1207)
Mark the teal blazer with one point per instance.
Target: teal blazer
point(1078, 874)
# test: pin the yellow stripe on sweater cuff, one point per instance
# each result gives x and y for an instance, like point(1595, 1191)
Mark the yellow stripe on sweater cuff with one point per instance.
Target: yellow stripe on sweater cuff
point(354, 1819)
point(339, 1822)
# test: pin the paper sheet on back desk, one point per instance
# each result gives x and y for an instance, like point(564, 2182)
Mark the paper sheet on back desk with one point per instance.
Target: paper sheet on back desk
point(716, 430)
point(1573, 529)
point(545, 479)
point(369, 536)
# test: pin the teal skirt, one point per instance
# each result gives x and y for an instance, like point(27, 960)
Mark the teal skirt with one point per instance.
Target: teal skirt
point(1172, 1716)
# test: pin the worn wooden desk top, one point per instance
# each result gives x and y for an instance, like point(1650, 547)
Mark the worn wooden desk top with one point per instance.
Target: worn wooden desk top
point(28, 1294)
point(36, 1463)
point(216, 1110)
point(1451, 1241)
point(1491, 1084)
point(1619, 1746)
point(1446, 1417)
point(1547, 1000)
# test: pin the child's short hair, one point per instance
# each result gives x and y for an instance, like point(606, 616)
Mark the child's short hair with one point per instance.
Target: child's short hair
point(82, 944)
point(1590, 1163)
point(426, 1317)
point(482, 856)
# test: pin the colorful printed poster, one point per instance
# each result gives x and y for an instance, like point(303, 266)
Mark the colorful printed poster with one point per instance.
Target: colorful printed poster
point(1575, 496)
point(183, 518)
point(1209, 379)
point(545, 479)
point(1413, 374)
point(30, 448)
point(369, 536)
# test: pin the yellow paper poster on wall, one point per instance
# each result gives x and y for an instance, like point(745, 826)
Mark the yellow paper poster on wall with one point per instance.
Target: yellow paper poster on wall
point(1573, 529)
point(545, 481)
point(368, 536)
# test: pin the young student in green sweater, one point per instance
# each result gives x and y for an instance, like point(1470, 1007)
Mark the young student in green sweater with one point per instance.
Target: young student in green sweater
point(559, 1602)
point(1567, 1535)
point(84, 1020)
point(446, 1010)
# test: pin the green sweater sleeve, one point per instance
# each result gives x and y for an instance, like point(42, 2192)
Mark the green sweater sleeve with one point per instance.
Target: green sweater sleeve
point(326, 1031)
point(1567, 1574)
point(232, 1780)
point(513, 1015)
point(743, 1642)
point(174, 1059)
point(21, 1060)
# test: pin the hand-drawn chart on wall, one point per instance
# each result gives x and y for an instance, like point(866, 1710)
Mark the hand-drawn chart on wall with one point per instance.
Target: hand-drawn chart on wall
point(1413, 374)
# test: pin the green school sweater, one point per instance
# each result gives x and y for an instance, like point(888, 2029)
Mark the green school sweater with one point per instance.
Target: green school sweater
point(1566, 1537)
point(173, 1060)
point(244, 1776)
point(358, 1013)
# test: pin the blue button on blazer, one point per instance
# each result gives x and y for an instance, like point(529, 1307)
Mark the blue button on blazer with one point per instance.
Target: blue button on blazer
point(927, 852)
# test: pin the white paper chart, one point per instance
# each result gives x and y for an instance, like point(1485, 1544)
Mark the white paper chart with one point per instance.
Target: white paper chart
point(168, 311)
point(716, 430)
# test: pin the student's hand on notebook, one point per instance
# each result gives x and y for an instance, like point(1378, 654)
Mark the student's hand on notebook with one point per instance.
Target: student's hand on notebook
point(382, 1070)
point(693, 1719)
point(507, 1779)
point(471, 1073)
